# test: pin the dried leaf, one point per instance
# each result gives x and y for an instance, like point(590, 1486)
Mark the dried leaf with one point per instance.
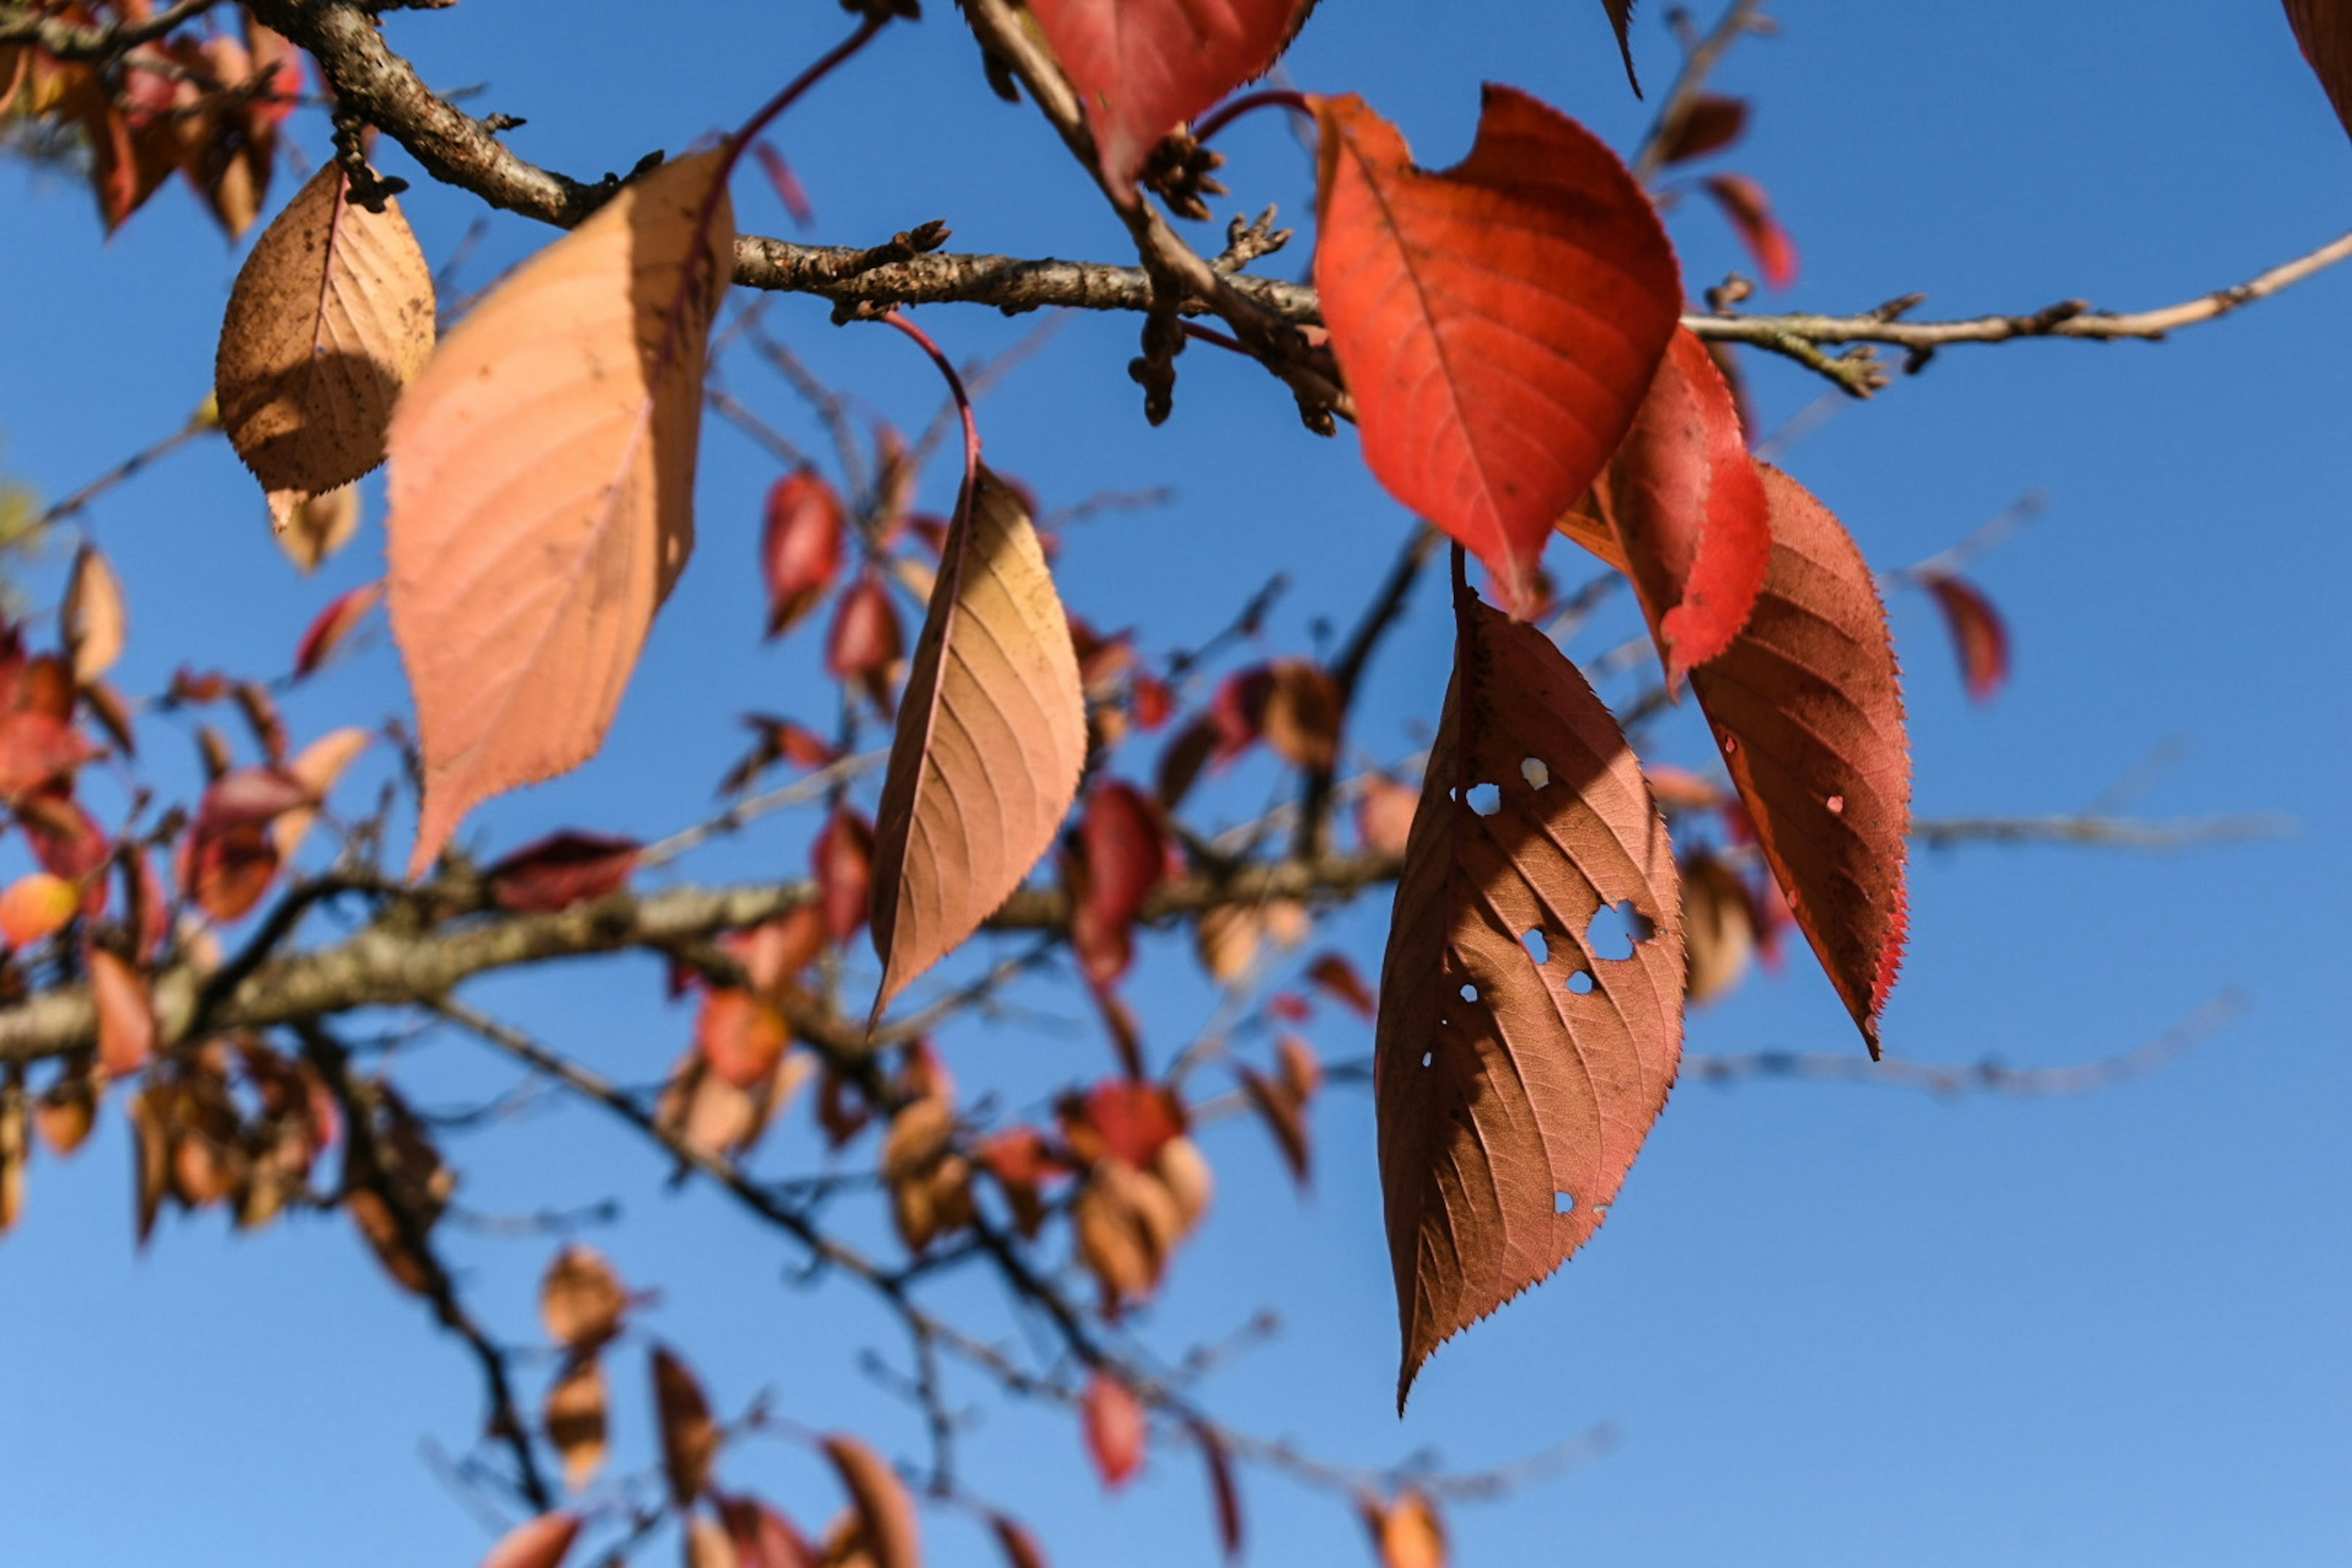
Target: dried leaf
point(1013, 1538)
point(1408, 1532)
point(1620, 18)
point(1807, 711)
point(582, 1301)
point(334, 624)
point(1682, 500)
point(2323, 28)
point(1302, 714)
point(67, 1111)
point(317, 526)
point(1336, 977)
point(800, 548)
point(576, 1419)
point(543, 490)
point(991, 742)
point(1499, 323)
point(1183, 1170)
point(563, 869)
point(1284, 1115)
point(331, 316)
point(1223, 1490)
point(1718, 927)
point(94, 620)
point(1116, 1429)
point(1516, 1066)
point(541, 1543)
point(127, 1028)
point(317, 770)
point(1743, 201)
point(689, 1437)
point(1711, 123)
point(885, 1510)
point(1142, 68)
point(15, 1151)
point(37, 907)
point(1978, 634)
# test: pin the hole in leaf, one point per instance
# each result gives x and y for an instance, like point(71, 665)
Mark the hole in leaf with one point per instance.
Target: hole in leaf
point(1486, 799)
point(1615, 929)
point(1427, 1058)
point(1581, 983)
point(1836, 804)
point(1538, 948)
point(1729, 742)
point(1469, 992)
point(1563, 1203)
point(1532, 769)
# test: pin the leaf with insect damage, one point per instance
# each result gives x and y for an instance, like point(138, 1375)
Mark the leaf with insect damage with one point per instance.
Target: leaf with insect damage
point(1142, 68)
point(1518, 1061)
point(542, 490)
point(331, 316)
point(1497, 322)
point(1807, 708)
point(1687, 511)
point(992, 738)
point(2323, 28)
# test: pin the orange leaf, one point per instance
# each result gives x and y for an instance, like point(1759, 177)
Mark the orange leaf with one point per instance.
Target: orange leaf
point(127, 1029)
point(1497, 323)
point(317, 526)
point(37, 907)
point(1688, 512)
point(332, 315)
point(2323, 28)
point(542, 490)
point(885, 1510)
point(741, 1036)
point(1978, 634)
point(800, 548)
point(1517, 1064)
point(541, 1543)
point(1125, 855)
point(1808, 710)
point(1114, 1427)
point(576, 1420)
point(991, 742)
point(1743, 201)
point(1141, 67)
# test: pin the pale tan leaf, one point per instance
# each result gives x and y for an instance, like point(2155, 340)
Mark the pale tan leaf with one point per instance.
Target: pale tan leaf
point(885, 1512)
point(582, 1301)
point(1518, 1061)
point(94, 620)
point(576, 1420)
point(991, 741)
point(321, 763)
point(708, 1545)
point(689, 1437)
point(314, 527)
point(332, 315)
point(542, 490)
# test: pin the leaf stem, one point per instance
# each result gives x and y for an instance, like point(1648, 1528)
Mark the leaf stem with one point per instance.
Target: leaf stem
point(1217, 119)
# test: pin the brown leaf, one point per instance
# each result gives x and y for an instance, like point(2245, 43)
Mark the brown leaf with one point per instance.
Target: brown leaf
point(1517, 1066)
point(15, 1151)
point(885, 1510)
point(800, 550)
point(1285, 1113)
point(1116, 1429)
point(2323, 28)
point(689, 1437)
point(1384, 813)
point(541, 1543)
point(1808, 710)
point(1336, 977)
point(1711, 123)
point(582, 1301)
point(708, 1545)
point(94, 620)
point(843, 861)
point(1497, 322)
point(991, 741)
point(1718, 927)
point(563, 869)
point(543, 490)
point(1302, 714)
point(318, 526)
point(1184, 1171)
point(1621, 18)
point(1978, 634)
point(332, 315)
point(1013, 1538)
point(576, 1419)
point(127, 1028)
point(334, 624)
point(1222, 1491)
point(67, 1111)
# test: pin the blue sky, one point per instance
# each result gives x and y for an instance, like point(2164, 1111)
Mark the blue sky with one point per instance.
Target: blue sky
point(1829, 1325)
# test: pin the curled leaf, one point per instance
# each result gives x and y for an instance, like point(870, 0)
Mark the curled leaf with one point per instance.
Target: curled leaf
point(543, 490)
point(991, 741)
point(1807, 708)
point(317, 526)
point(1978, 634)
point(1518, 1061)
point(1498, 322)
point(333, 625)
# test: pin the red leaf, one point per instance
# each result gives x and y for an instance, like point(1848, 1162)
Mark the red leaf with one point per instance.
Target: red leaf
point(1125, 854)
point(230, 856)
point(67, 841)
point(1284, 1115)
point(2323, 28)
point(1115, 1428)
point(800, 548)
point(1134, 1121)
point(741, 1036)
point(866, 640)
point(563, 869)
point(1688, 511)
point(335, 623)
point(1497, 323)
point(843, 861)
point(127, 1029)
point(1743, 202)
point(38, 752)
point(1141, 67)
point(541, 1543)
point(1518, 1063)
point(1337, 978)
point(1978, 634)
point(1807, 711)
